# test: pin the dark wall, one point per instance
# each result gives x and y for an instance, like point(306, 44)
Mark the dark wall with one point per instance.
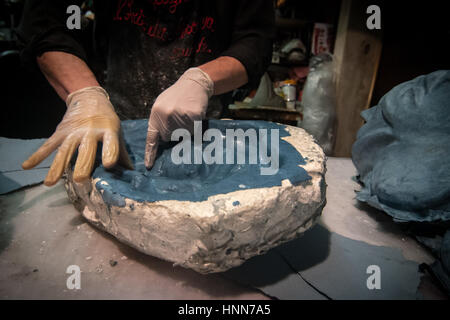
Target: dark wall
point(416, 41)
point(29, 107)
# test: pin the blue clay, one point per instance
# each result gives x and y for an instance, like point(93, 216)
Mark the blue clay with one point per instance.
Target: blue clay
point(402, 152)
point(193, 182)
point(111, 197)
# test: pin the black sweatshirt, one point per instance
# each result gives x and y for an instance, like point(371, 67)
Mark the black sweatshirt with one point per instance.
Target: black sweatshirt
point(146, 45)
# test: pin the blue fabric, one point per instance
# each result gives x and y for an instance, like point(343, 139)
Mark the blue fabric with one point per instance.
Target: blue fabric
point(402, 153)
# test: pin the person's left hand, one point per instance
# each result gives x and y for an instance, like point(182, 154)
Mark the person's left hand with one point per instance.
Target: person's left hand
point(178, 106)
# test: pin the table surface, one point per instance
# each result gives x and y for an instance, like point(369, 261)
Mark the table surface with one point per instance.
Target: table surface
point(41, 234)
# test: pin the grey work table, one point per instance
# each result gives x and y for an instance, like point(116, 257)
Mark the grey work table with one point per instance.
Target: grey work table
point(41, 234)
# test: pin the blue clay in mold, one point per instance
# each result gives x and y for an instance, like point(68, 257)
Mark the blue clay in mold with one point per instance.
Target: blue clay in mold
point(193, 182)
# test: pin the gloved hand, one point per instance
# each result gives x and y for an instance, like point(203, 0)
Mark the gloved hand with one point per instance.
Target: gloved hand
point(178, 107)
point(89, 118)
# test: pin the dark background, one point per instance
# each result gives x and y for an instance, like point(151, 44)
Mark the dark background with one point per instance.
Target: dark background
point(416, 41)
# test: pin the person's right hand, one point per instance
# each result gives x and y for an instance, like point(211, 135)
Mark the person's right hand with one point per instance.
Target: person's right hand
point(90, 118)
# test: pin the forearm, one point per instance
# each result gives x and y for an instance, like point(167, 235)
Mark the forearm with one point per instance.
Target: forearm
point(66, 72)
point(227, 73)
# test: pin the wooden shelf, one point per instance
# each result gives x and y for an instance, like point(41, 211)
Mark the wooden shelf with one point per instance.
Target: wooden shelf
point(243, 111)
point(286, 23)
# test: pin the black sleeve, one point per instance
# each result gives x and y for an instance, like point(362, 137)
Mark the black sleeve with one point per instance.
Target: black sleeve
point(253, 33)
point(43, 28)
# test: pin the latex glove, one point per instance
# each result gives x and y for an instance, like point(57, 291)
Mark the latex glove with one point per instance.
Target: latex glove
point(178, 106)
point(90, 117)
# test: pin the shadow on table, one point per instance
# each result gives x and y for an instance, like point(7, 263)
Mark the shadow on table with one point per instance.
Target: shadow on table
point(311, 249)
point(307, 251)
point(6, 228)
point(16, 204)
point(211, 284)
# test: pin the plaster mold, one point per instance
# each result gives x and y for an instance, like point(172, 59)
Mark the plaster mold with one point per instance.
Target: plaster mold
point(221, 231)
